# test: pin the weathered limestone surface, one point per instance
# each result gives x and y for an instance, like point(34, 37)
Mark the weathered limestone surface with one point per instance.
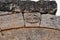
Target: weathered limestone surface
point(29, 20)
point(50, 21)
point(32, 19)
point(35, 19)
point(30, 34)
point(11, 21)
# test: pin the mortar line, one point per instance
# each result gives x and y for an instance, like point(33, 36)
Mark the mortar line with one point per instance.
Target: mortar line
point(28, 28)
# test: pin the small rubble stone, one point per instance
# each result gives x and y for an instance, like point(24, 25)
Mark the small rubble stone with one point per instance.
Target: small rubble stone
point(50, 21)
point(11, 21)
point(31, 34)
point(32, 19)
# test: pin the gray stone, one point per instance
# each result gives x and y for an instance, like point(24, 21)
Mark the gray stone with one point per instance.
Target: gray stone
point(57, 22)
point(32, 19)
point(11, 21)
point(50, 21)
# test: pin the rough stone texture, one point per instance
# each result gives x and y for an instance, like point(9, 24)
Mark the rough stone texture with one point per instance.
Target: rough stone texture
point(57, 22)
point(43, 7)
point(30, 34)
point(32, 19)
point(11, 21)
point(47, 6)
point(28, 20)
point(27, 6)
point(50, 21)
point(30, 6)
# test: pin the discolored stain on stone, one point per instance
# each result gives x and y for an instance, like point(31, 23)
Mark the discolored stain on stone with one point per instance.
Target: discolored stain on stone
point(11, 21)
point(32, 19)
point(50, 21)
point(32, 34)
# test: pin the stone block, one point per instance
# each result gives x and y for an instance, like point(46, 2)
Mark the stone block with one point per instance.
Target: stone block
point(50, 21)
point(32, 19)
point(11, 21)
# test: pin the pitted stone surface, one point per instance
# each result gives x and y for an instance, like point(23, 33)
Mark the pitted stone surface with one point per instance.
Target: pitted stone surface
point(31, 34)
point(11, 21)
point(50, 21)
point(32, 19)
